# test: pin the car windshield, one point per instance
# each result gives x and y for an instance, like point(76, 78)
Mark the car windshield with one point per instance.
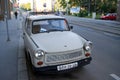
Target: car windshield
point(49, 25)
point(108, 14)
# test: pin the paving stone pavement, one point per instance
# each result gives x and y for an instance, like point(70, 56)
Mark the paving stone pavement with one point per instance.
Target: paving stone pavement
point(12, 58)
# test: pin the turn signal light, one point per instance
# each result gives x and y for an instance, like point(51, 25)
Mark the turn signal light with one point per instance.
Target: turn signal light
point(39, 63)
point(87, 54)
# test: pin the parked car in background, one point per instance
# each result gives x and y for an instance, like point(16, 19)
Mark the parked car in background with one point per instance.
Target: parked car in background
point(109, 16)
point(59, 13)
point(52, 46)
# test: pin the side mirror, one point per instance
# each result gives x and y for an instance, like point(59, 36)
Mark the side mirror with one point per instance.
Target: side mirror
point(71, 27)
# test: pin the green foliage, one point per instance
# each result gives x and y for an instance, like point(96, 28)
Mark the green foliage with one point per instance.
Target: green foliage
point(99, 6)
point(107, 6)
point(82, 13)
point(63, 3)
point(26, 6)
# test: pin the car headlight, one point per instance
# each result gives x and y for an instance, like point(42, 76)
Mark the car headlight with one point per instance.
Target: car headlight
point(39, 53)
point(88, 46)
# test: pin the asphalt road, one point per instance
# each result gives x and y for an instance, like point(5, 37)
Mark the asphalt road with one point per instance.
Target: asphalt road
point(106, 57)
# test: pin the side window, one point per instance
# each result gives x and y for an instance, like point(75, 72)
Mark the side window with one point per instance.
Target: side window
point(28, 29)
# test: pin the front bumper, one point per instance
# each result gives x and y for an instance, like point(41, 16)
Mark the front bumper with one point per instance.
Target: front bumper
point(53, 69)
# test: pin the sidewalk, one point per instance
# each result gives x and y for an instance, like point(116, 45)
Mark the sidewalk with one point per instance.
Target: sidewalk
point(12, 59)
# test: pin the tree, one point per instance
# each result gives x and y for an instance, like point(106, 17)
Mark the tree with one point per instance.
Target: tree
point(99, 6)
point(26, 6)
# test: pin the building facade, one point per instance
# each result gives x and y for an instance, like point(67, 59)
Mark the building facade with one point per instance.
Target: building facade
point(2, 9)
point(42, 5)
point(5, 9)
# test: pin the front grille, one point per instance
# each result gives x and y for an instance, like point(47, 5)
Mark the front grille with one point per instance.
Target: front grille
point(58, 57)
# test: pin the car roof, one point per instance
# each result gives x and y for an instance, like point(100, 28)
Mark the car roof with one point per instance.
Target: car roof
point(39, 17)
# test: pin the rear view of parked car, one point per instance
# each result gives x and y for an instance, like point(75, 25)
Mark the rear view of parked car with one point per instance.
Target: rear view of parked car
point(109, 16)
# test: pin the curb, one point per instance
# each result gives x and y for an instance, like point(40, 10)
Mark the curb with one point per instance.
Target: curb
point(22, 67)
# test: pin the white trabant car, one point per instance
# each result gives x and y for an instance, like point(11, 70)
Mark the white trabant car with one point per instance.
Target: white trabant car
point(52, 46)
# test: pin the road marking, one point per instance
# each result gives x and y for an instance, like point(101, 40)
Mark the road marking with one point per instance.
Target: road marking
point(115, 76)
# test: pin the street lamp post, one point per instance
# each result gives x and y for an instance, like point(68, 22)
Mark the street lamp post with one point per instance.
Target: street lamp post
point(6, 19)
point(67, 6)
point(89, 3)
point(94, 13)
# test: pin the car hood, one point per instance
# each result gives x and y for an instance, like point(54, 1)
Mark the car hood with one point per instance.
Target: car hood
point(58, 41)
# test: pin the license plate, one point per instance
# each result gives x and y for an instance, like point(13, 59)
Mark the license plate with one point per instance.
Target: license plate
point(67, 66)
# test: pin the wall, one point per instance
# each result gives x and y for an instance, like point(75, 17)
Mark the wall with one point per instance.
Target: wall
point(44, 5)
point(2, 9)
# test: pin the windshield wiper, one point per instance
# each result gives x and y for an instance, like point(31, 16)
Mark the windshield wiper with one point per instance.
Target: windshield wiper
point(54, 30)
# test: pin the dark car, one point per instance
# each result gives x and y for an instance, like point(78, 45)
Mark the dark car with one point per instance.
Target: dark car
point(109, 16)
